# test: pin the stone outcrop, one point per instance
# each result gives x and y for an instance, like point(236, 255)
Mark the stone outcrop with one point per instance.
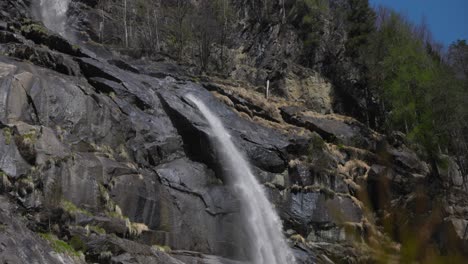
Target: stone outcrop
point(104, 160)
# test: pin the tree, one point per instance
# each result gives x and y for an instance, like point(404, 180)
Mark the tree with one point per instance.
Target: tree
point(361, 23)
point(206, 27)
point(148, 16)
point(178, 27)
point(211, 23)
point(417, 89)
point(458, 58)
point(309, 17)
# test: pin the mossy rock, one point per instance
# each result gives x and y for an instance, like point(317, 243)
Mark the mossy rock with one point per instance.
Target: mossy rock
point(7, 134)
point(34, 29)
point(77, 243)
point(73, 209)
point(97, 229)
point(60, 246)
point(162, 248)
point(26, 145)
point(42, 36)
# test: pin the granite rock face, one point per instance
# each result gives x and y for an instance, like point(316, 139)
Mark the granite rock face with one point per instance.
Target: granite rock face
point(104, 155)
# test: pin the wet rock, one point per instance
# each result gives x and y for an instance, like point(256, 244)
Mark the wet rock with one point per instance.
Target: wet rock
point(94, 68)
point(116, 136)
point(44, 57)
point(245, 105)
point(123, 65)
point(264, 147)
point(186, 191)
point(41, 35)
point(110, 87)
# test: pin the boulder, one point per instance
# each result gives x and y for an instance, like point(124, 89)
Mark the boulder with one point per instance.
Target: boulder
point(117, 250)
point(11, 161)
point(333, 128)
point(306, 210)
point(111, 225)
point(450, 172)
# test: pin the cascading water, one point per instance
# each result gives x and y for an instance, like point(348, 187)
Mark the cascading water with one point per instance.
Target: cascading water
point(262, 222)
point(53, 14)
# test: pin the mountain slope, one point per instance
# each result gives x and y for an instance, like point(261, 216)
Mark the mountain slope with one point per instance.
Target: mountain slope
point(102, 154)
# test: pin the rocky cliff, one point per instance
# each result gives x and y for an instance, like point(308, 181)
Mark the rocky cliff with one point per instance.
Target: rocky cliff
point(103, 160)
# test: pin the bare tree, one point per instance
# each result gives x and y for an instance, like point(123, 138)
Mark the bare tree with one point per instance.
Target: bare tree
point(177, 12)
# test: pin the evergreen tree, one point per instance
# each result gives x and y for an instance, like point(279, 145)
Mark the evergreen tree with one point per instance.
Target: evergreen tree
point(361, 23)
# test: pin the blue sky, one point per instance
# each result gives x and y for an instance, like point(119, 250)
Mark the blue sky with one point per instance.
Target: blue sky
point(447, 19)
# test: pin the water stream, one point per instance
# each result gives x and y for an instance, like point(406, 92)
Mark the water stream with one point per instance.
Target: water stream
point(53, 13)
point(268, 245)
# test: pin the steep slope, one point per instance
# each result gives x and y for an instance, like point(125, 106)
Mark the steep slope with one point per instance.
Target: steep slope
point(102, 154)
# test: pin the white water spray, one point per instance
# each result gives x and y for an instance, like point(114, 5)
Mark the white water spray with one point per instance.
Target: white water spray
point(261, 220)
point(53, 14)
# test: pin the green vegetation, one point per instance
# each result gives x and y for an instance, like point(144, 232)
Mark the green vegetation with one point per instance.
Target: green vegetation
point(401, 73)
point(164, 248)
point(316, 147)
point(29, 138)
point(7, 135)
point(60, 246)
point(73, 209)
point(112, 95)
point(97, 229)
point(297, 239)
point(77, 244)
point(115, 214)
point(34, 28)
point(309, 16)
point(360, 25)
point(419, 91)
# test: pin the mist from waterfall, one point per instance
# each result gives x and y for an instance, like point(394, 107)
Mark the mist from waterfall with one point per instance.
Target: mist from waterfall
point(268, 245)
point(53, 13)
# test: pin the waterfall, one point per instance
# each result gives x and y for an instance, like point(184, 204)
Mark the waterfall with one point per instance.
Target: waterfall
point(53, 14)
point(268, 245)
